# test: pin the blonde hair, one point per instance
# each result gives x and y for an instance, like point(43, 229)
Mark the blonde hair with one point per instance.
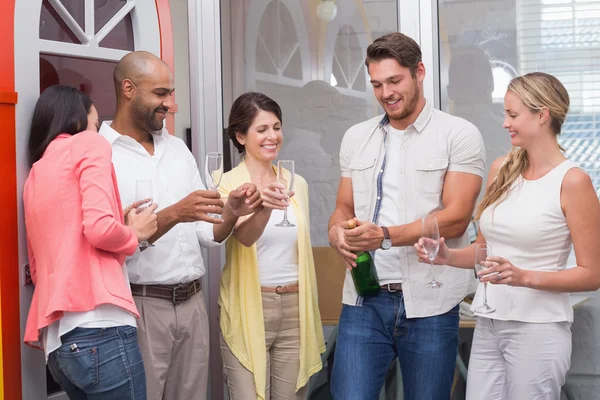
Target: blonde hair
point(537, 91)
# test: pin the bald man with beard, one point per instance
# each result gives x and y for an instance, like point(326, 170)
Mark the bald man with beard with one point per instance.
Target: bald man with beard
point(165, 278)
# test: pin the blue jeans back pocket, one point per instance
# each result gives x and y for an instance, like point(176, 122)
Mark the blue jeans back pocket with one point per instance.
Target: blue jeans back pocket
point(80, 366)
point(128, 334)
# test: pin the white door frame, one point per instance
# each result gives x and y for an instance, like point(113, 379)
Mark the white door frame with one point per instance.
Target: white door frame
point(28, 47)
point(206, 96)
point(419, 20)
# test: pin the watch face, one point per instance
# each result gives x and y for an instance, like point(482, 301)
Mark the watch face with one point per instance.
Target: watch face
point(386, 244)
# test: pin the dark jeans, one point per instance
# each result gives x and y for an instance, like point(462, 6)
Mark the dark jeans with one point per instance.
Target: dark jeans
point(371, 336)
point(106, 364)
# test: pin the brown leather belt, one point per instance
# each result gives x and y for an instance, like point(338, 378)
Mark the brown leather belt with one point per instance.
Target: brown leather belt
point(392, 287)
point(175, 293)
point(292, 288)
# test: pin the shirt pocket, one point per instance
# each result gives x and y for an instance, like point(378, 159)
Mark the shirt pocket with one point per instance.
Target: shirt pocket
point(362, 179)
point(430, 173)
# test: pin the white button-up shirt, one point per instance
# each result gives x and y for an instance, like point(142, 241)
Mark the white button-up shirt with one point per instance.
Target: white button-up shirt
point(435, 144)
point(176, 257)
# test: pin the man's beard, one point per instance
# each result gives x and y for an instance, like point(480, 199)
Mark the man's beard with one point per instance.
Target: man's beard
point(153, 124)
point(147, 118)
point(410, 103)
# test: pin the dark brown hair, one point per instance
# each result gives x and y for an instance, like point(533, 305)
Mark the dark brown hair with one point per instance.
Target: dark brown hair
point(398, 46)
point(243, 112)
point(60, 109)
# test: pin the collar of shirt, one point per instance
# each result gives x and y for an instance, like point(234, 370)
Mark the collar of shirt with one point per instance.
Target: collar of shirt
point(113, 137)
point(419, 124)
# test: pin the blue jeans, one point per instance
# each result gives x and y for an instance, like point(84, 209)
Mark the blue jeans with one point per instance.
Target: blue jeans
point(371, 336)
point(105, 364)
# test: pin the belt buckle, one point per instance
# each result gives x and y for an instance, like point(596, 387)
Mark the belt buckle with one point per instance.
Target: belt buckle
point(175, 289)
point(277, 289)
point(389, 289)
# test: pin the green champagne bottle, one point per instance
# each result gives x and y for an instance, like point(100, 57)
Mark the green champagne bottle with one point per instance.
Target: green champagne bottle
point(364, 275)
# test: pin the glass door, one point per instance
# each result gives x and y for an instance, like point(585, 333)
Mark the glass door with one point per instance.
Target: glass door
point(482, 45)
point(309, 57)
point(312, 63)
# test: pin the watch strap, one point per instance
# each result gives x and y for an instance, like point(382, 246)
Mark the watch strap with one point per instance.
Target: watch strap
point(386, 233)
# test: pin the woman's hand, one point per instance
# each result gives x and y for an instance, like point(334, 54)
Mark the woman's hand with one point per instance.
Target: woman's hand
point(443, 257)
point(503, 272)
point(144, 223)
point(136, 204)
point(273, 197)
point(244, 200)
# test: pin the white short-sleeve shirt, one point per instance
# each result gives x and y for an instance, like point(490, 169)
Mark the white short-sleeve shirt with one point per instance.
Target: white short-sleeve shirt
point(435, 144)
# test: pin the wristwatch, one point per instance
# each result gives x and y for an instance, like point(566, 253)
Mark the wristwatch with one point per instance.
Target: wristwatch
point(386, 243)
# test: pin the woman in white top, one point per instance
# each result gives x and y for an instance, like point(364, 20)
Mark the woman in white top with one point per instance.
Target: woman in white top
point(537, 204)
point(270, 323)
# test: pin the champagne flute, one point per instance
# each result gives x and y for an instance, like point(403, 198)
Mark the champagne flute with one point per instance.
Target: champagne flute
point(213, 172)
point(285, 176)
point(431, 243)
point(143, 191)
point(482, 252)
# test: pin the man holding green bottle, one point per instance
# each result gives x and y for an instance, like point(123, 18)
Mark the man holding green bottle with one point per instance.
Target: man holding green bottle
point(396, 169)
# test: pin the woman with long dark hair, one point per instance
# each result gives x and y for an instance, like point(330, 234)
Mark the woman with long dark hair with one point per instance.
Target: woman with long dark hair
point(82, 313)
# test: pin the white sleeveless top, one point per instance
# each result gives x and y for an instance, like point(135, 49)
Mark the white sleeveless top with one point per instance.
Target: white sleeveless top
point(277, 251)
point(529, 229)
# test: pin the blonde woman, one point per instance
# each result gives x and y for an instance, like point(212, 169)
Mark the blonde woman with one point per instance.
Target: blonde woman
point(537, 204)
point(272, 337)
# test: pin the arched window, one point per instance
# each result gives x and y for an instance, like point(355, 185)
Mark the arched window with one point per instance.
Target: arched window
point(277, 48)
point(348, 68)
point(346, 42)
point(81, 41)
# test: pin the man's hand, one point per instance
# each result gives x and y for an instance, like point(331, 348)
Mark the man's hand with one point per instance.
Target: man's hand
point(196, 205)
point(365, 237)
point(244, 200)
point(337, 240)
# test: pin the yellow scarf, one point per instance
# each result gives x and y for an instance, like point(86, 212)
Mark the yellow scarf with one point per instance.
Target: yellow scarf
point(242, 321)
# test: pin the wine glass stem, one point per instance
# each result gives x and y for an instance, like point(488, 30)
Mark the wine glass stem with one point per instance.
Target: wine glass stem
point(432, 270)
point(285, 215)
point(485, 294)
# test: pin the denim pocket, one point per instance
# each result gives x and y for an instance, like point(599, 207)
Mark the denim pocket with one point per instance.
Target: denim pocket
point(53, 368)
point(81, 366)
point(128, 334)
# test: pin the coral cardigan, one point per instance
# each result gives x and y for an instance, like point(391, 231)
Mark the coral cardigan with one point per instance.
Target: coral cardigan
point(76, 238)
